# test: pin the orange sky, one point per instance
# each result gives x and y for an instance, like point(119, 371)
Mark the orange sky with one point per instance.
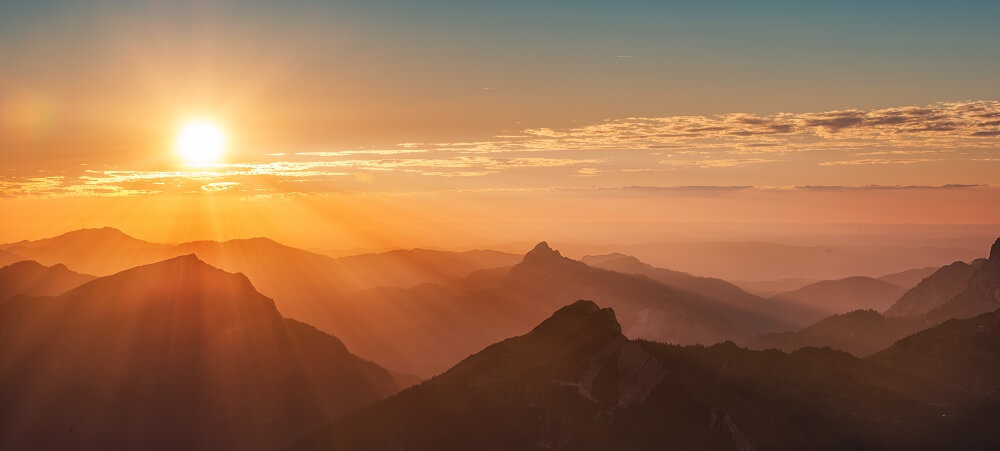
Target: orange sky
point(381, 122)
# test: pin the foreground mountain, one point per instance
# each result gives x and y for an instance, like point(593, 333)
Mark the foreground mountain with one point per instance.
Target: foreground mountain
point(426, 329)
point(173, 355)
point(831, 297)
point(32, 279)
point(718, 290)
point(575, 382)
point(861, 332)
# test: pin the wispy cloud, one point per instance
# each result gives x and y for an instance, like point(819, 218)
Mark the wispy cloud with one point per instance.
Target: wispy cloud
point(877, 161)
point(938, 126)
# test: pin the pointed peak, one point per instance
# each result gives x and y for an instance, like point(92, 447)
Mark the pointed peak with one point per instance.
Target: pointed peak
point(542, 250)
point(543, 247)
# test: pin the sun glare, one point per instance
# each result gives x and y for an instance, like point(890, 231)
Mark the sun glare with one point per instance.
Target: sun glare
point(200, 142)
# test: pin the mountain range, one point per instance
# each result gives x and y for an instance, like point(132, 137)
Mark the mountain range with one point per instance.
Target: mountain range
point(958, 290)
point(185, 352)
point(576, 382)
point(428, 328)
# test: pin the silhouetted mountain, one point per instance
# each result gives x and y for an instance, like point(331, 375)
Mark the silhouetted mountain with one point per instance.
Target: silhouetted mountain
point(960, 353)
point(172, 355)
point(909, 278)
point(92, 251)
point(295, 278)
point(292, 275)
point(934, 290)
point(575, 382)
point(718, 290)
point(981, 295)
point(32, 279)
point(861, 332)
point(647, 308)
point(831, 297)
point(426, 329)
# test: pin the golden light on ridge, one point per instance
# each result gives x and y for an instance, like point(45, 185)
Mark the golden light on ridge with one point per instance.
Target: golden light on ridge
point(200, 142)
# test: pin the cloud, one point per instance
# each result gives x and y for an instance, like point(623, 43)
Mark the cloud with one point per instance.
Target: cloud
point(716, 163)
point(937, 126)
point(218, 186)
point(877, 161)
point(883, 187)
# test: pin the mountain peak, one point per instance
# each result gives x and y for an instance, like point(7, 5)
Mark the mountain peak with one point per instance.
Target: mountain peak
point(543, 248)
point(543, 256)
point(581, 316)
point(995, 251)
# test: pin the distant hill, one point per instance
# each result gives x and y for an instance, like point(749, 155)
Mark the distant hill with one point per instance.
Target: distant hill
point(293, 277)
point(718, 290)
point(32, 279)
point(575, 382)
point(831, 297)
point(768, 288)
point(754, 260)
point(428, 328)
point(172, 355)
point(909, 278)
point(958, 290)
point(861, 332)
point(99, 252)
point(7, 258)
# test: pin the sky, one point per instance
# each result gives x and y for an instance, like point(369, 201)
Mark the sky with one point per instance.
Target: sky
point(370, 123)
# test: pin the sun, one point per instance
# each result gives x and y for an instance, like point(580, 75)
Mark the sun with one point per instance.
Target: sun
point(200, 142)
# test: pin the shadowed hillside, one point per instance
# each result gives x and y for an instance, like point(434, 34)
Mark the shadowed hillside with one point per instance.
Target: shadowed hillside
point(575, 382)
point(172, 355)
point(934, 290)
point(32, 279)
